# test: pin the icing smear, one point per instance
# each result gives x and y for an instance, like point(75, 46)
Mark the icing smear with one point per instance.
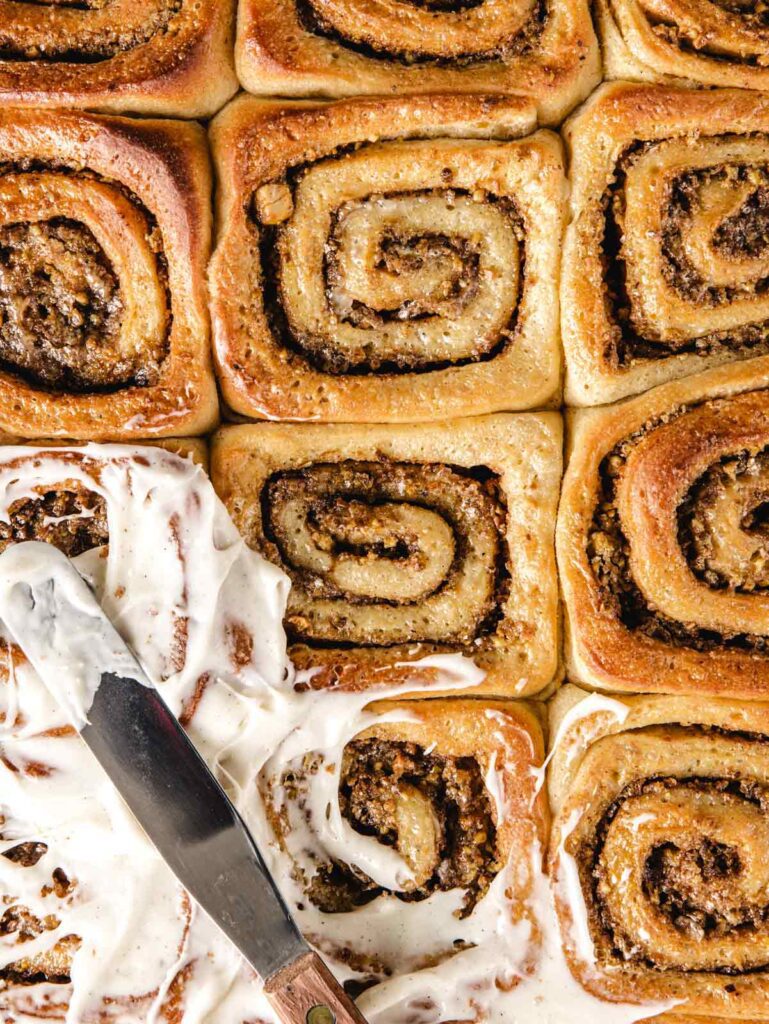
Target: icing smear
point(186, 593)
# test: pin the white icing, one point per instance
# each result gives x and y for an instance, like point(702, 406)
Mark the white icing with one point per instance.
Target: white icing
point(175, 557)
point(53, 616)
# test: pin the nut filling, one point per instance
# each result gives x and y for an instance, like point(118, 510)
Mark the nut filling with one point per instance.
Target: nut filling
point(410, 280)
point(736, 490)
point(387, 553)
point(742, 235)
point(434, 810)
point(73, 519)
point(321, 19)
point(693, 882)
point(102, 34)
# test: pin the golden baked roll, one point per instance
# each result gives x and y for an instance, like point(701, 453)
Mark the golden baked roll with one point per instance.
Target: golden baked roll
point(406, 541)
point(665, 260)
point(663, 544)
point(704, 42)
point(168, 57)
point(436, 800)
point(386, 260)
point(658, 850)
point(544, 51)
point(104, 237)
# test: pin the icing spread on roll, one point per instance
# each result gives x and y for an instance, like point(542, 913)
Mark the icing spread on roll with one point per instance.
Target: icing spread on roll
point(105, 927)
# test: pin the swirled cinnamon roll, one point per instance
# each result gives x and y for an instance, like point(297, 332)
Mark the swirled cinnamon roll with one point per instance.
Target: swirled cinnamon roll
point(662, 538)
point(402, 542)
point(104, 235)
point(433, 824)
point(168, 57)
point(666, 261)
point(386, 260)
point(658, 850)
point(542, 49)
point(707, 42)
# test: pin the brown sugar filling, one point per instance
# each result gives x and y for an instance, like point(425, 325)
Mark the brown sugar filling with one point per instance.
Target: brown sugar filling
point(400, 254)
point(345, 505)
point(691, 886)
point(99, 45)
point(72, 519)
point(746, 234)
point(523, 42)
point(608, 554)
point(435, 810)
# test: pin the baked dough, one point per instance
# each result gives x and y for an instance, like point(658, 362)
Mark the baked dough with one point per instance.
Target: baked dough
point(662, 538)
point(699, 42)
point(386, 260)
point(417, 779)
point(406, 541)
point(664, 262)
point(167, 57)
point(661, 823)
point(545, 51)
point(104, 236)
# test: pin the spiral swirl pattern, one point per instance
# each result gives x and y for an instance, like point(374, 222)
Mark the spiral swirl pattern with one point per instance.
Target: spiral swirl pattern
point(104, 233)
point(354, 278)
point(545, 50)
point(170, 57)
point(469, 29)
point(83, 286)
point(388, 554)
point(671, 534)
point(673, 226)
point(665, 822)
point(405, 541)
point(436, 801)
point(712, 42)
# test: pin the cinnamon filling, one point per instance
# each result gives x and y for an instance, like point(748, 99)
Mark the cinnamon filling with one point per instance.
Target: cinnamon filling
point(391, 535)
point(694, 886)
point(455, 262)
point(742, 235)
point(316, 20)
point(73, 519)
point(98, 41)
point(609, 553)
point(434, 810)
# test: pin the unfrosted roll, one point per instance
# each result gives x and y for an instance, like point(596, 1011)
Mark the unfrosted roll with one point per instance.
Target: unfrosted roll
point(386, 260)
point(665, 260)
point(406, 541)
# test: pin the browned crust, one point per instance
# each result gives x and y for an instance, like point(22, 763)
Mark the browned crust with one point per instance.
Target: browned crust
point(617, 115)
point(275, 54)
point(574, 788)
point(165, 164)
point(601, 651)
point(187, 72)
point(256, 141)
point(523, 657)
point(640, 53)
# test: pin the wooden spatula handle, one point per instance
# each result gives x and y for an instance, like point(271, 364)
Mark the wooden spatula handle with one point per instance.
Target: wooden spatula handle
point(306, 992)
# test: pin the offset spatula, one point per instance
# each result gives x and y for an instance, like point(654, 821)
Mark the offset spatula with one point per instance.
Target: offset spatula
point(167, 785)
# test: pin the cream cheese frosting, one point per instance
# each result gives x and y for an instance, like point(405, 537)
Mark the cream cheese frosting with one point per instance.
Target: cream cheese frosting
point(203, 614)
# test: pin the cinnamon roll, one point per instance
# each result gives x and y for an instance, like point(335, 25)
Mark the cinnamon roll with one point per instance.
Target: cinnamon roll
point(662, 538)
point(405, 542)
point(168, 57)
point(104, 236)
point(704, 42)
point(658, 851)
point(665, 261)
point(386, 260)
point(542, 49)
point(434, 824)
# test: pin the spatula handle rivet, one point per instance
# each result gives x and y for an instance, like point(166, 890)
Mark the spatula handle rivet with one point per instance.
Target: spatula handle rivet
point(320, 1014)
